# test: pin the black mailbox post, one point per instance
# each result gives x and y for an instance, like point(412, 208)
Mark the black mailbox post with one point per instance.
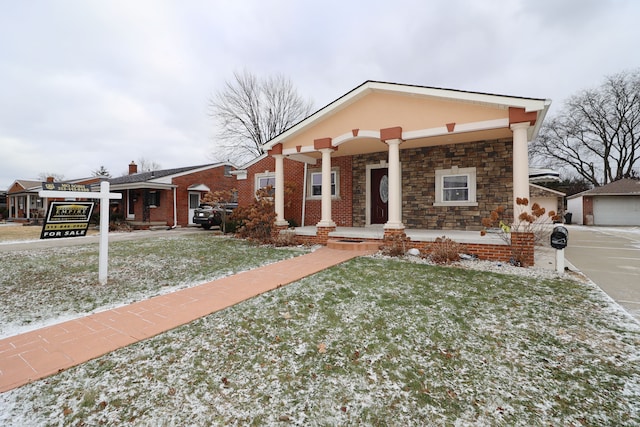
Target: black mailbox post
point(559, 237)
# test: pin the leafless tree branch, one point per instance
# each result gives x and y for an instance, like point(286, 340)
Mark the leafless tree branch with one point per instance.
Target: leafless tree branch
point(250, 112)
point(597, 133)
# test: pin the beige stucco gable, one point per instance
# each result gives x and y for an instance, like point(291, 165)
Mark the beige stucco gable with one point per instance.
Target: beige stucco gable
point(427, 117)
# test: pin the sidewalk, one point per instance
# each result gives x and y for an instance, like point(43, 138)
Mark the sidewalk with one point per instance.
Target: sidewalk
point(37, 354)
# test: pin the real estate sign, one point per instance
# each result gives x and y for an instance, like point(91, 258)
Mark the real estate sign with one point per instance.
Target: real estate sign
point(64, 186)
point(67, 219)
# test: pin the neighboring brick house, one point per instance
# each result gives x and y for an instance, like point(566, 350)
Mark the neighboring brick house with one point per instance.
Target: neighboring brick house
point(24, 204)
point(398, 158)
point(169, 196)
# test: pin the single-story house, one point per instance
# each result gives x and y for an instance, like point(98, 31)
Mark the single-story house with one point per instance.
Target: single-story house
point(167, 197)
point(3, 203)
point(617, 203)
point(400, 159)
point(24, 204)
point(547, 198)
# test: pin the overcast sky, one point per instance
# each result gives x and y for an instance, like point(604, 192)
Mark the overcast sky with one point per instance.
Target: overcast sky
point(85, 83)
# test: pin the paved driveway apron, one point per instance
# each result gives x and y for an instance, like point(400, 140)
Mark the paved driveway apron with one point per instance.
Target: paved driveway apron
point(611, 258)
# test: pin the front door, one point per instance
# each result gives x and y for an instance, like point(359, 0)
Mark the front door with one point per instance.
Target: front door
point(194, 202)
point(379, 195)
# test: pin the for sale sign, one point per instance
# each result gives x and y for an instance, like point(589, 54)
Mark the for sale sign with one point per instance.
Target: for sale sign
point(67, 219)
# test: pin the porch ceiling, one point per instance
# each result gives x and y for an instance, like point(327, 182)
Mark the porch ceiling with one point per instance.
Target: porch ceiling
point(366, 145)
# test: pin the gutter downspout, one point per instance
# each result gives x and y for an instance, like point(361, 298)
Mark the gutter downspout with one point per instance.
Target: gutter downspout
point(304, 193)
point(175, 210)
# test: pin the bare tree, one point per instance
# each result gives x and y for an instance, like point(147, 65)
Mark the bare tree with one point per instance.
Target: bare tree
point(250, 112)
point(43, 176)
point(145, 165)
point(597, 133)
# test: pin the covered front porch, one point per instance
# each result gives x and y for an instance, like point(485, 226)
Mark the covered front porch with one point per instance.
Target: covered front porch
point(405, 165)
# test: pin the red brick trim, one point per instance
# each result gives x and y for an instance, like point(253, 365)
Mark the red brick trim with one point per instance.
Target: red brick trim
point(276, 149)
point(322, 234)
point(522, 248)
point(391, 133)
point(519, 115)
point(321, 143)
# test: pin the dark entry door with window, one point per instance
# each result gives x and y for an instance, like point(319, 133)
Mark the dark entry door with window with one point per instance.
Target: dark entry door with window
point(379, 195)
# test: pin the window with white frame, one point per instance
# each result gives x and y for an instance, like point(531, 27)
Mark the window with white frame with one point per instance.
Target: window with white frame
point(315, 184)
point(264, 180)
point(456, 187)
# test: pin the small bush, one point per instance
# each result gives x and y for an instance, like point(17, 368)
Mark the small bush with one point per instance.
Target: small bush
point(536, 221)
point(395, 245)
point(445, 251)
point(255, 222)
point(285, 238)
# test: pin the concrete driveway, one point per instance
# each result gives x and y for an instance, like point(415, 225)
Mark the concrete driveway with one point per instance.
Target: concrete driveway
point(610, 257)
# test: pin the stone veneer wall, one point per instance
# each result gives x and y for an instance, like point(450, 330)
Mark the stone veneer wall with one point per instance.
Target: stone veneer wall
point(494, 167)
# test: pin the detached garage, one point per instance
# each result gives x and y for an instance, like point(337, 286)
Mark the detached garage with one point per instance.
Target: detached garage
point(617, 203)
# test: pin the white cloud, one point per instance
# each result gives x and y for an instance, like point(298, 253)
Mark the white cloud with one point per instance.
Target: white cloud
point(110, 82)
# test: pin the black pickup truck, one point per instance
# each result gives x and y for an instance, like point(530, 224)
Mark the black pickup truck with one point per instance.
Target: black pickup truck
point(211, 215)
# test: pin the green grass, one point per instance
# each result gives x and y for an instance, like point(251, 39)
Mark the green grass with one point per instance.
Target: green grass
point(370, 342)
point(40, 284)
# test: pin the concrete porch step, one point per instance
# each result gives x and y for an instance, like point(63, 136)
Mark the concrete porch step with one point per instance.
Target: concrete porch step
point(353, 244)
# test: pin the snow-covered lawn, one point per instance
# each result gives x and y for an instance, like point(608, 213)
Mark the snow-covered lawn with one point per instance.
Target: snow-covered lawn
point(41, 286)
point(375, 341)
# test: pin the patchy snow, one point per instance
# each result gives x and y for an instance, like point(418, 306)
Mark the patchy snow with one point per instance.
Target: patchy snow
point(417, 345)
point(35, 285)
point(376, 341)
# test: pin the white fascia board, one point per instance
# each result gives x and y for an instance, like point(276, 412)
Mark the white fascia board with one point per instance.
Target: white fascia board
point(505, 101)
point(550, 190)
point(143, 185)
point(253, 161)
point(240, 174)
point(190, 171)
point(349, 136)
point(326, 111)
point(459, 128)
point(199, 187)
point(533, 132)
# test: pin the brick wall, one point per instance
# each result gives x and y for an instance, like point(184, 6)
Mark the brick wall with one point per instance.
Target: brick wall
point(342, 206)
point(214, 178)
point(294, 175)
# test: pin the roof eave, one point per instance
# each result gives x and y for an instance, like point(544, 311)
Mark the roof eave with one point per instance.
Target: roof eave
point(502, 101)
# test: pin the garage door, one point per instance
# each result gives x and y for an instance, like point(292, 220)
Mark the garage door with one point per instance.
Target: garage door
point(613, 210)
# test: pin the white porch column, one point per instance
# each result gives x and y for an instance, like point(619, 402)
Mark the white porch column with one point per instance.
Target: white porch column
point(520, 165)
point(395, 186)
point(325, 219)
point(27, 207)
point(279, 190)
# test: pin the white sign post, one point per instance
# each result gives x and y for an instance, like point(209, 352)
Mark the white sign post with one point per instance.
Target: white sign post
point(104, 196)
point(560, 260)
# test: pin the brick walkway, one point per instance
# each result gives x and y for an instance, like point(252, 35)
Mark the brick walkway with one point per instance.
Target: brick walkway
point(37, 354)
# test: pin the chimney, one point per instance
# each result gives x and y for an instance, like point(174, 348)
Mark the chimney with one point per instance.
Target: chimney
point(50, 179)
point(133, 168)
